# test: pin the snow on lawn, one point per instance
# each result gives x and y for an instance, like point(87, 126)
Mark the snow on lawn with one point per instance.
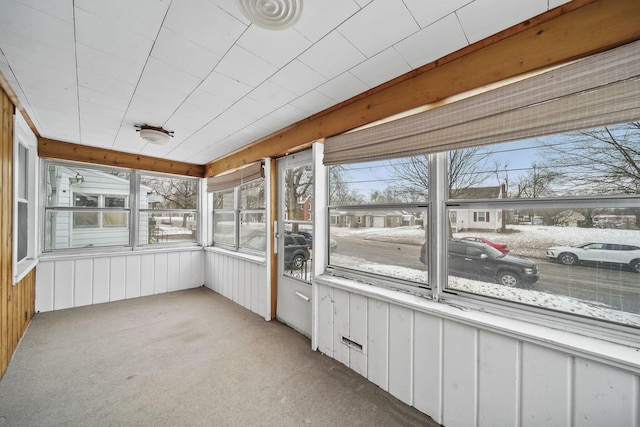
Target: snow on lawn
point(523, 240)
point(532, 239)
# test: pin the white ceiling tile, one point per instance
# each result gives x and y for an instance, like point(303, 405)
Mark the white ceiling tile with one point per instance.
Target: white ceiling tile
point(343, 87)
point(39, 101)
point(184, 126)
point(210, 27)
point(272, 95)
point(104, 100)
point(142, 17)
point(149, 111)
point(313, 102)
point(381, 68)
point(426, 12)
point(107, 65)
point(90, 80)
point(128, 142)
point(435, 41)
point(184, 54)
point(60, 9)
point(321, 17)
point(275, 47)
point(335, 46)
point(379, 25)
point(102, 35)
point(483, 18)
point(203, 106)
point(556, 3)
point(245, 67)
point(298, 78)
point(224, 87)
point(33, 24)
point(263, 127)
point(363, 3)
point(37, 53)
point(166, 84)
point(289, 114)
point(246, 111)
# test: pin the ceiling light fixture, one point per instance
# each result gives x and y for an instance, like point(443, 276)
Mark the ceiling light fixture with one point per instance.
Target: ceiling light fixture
point(271, 14)
point(154, 135)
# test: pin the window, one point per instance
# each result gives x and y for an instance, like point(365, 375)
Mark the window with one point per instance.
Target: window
point(25, 199)
point(90, 207)
point(239, 209)
point(168, 209)
point(525, 206)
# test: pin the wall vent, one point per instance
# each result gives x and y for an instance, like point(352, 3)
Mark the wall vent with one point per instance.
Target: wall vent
point(352, 344)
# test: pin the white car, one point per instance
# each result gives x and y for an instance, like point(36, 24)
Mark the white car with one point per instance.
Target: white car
point(608, 253)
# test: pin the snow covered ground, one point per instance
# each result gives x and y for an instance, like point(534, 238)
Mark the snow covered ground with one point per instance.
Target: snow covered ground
point(525, 240)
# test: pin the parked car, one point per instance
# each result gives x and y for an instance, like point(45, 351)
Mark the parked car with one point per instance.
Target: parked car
point(480, 261)
point(499, 246)
point(604, 253)
point(296, 249)
point(308, 234)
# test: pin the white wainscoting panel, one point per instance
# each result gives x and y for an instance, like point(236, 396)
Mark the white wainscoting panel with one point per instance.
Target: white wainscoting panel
point(243, 280)
point(65, 282)
point(463, 375)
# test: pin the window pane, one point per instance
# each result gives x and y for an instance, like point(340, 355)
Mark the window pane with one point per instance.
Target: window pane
point(161, 192)
point(22, 174)
point(252, 195)
point(62, 233)
point(388, 243)
point(83, 187)
point(23, 230)
point(224, 228)
point(114, 219)
point(599, 161)
point(583, 260)
point(252, 224)
point(382, 182)
point(167, 227)
point(224, 200)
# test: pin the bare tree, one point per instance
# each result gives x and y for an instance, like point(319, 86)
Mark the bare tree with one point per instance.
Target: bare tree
point(176, 193)
point(605, 160)
point(298, 186)
point(339, 191)
point(537, 182)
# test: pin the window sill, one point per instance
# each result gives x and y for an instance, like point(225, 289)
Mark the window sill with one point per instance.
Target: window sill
point(71, 254)
point(241, 255)
point(619, 355)
point(23, 268)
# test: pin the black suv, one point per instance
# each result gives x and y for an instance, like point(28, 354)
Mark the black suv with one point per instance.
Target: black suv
point(480, 261)
point(296, 248)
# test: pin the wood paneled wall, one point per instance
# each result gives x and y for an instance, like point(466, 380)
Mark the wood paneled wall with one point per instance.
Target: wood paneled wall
point(16, 302)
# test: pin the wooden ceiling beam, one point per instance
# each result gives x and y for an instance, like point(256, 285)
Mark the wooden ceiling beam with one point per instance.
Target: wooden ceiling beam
point(48, 148)
point(574, 30)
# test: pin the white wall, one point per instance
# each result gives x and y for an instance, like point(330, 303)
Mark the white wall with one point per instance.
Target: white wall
point(463, 374)
point(74, 281)
point(242, 279)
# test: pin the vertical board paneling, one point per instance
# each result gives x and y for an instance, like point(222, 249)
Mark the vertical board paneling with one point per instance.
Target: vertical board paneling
point(324, 314)
point(197, 273)
point(340, 325)
point(545, 387)
point(427, 364)
point(358, 333)
point(63, 285)
point(401, 353)
point(604, 396)
point(185, 271)
point(260, 302)
point(44, 286)
point(101, 280)
point(173, 271)
point(378, 343)
point(83, 279)
point(235, 277)
point(498, 380)
point(161, 273)
point(147, 274)
point(132, 279)
point(459, 375)
point(117, 278)
point(241, 284)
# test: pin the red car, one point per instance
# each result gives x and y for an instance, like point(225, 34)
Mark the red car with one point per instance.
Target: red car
point(499, 246)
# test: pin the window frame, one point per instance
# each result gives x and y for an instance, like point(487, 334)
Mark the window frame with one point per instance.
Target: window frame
point(238, 211)
point(24, 138)
point(131, 210)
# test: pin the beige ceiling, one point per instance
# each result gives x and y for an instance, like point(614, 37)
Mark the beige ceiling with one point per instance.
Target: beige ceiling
point(87, 71)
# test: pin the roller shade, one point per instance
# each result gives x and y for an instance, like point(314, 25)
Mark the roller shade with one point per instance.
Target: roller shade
point(595, 91)
point(235, 178)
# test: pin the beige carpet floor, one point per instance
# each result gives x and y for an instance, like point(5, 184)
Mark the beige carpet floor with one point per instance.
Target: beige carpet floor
point(183, 359)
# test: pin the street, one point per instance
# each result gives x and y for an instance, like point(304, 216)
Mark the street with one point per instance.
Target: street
point(613, 286)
